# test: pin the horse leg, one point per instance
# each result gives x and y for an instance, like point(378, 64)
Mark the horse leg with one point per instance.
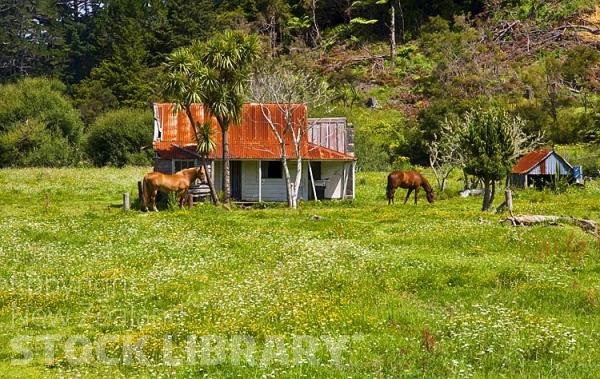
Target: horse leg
point(144, 195)
point(181, 195)
point(153, 200)
point(407, 195)
point(391, 196)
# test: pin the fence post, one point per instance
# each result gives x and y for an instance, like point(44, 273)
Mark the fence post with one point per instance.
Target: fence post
point(126, 201)
point(190, 200)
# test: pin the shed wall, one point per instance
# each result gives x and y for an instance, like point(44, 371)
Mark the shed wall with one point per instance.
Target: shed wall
point(517, 180)
point(332, 173)
point(163, 165)
point(272, 189)
point(550, 166)
point(328, 132)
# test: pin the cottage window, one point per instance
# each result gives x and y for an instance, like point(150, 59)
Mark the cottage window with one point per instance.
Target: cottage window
point(271, 170)
point(183, 164)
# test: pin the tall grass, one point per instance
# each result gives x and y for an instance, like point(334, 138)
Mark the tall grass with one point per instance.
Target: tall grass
point(433, 290)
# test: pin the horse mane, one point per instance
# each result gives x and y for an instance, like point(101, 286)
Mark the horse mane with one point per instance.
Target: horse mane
point(190, 172)
point(425, 184)
point(186, 170)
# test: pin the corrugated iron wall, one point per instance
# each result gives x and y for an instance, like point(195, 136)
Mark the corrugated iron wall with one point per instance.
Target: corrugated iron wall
point(550, 165)
point(329, 133)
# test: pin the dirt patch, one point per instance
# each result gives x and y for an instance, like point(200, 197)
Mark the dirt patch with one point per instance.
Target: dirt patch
point(593, 21)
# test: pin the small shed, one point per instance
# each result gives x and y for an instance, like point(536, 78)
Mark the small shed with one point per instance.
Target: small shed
point(539, 168)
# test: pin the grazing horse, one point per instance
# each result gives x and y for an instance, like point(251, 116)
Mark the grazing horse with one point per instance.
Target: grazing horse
point(410, 180)
point(178, 182)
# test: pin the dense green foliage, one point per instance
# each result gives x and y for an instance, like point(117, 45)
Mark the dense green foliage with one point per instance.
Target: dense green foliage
point(434, 290)
point(121, 138)
point(38, 125)
point(536, 59)
point(489, 146)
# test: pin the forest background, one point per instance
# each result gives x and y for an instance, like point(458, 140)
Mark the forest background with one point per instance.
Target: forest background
point(78, 77)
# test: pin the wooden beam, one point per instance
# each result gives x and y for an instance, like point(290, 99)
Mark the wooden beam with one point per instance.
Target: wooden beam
point(588, 226)
point(345, 179)
point(126, 201)
point(353, 179)
point(312, 182)
point(259, 181)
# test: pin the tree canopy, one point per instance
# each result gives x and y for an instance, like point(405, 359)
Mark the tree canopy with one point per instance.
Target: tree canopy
point(420, 62)
point(488, 143)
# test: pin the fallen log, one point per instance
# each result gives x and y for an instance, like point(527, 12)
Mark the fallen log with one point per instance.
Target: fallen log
point(588, 226)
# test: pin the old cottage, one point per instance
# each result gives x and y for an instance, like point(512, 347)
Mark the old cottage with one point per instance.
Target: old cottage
point(328, 168)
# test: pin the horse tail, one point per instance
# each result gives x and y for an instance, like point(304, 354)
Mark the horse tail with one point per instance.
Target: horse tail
point(144, 194)
point(390, 188)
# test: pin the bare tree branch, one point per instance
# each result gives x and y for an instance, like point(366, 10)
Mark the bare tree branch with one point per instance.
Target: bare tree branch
point(288, 89)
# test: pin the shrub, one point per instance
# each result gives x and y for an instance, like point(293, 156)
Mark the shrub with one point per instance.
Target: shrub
point(121, 137)
point(31, 144)
point(38, 124)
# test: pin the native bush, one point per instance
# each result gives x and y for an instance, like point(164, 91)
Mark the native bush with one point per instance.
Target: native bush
point(38, 124)
point(489, 142)
point(32, 144)
point(120, 138)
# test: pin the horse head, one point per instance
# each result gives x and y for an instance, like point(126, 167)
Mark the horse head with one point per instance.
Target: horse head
point(201, 174)
point(430, 196)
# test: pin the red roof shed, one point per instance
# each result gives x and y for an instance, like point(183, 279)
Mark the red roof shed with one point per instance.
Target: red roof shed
point(539, 167)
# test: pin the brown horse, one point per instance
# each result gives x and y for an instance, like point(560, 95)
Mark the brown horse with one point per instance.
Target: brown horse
point(178, 182)
point(410, 180)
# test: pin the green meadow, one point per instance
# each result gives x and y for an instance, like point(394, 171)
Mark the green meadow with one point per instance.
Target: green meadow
point(346, 289)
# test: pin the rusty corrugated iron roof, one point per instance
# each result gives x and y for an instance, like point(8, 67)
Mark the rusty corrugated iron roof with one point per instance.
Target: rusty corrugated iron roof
point(527, 162)
point(170, 150)
point(252, 139)
point(174, 126)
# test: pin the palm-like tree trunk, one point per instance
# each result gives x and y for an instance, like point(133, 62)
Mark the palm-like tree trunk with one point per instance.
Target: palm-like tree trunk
point(209, 181)
point(226, 171)
point(211, 186)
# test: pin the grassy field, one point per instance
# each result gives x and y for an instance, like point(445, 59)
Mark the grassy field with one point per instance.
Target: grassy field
point(333, 289)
